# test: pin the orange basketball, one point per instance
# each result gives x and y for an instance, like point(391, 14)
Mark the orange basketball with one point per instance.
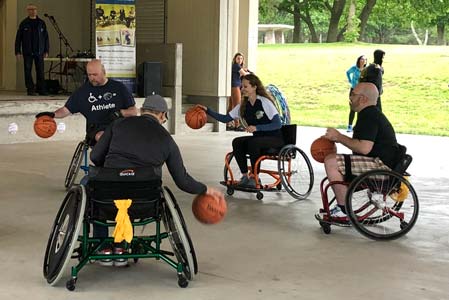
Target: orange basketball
point(45, 126)
point(196, 117)
point(322, 147)
point(209, 209)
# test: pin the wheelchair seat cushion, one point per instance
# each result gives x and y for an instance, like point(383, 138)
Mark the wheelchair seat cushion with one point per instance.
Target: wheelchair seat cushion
point(140, 185)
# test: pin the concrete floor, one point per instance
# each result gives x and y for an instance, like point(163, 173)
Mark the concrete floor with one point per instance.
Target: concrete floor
point(262, 250)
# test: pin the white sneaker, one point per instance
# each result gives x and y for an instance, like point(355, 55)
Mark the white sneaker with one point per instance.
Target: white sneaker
point(336, 212)
point(107, 262)
point(120, 262)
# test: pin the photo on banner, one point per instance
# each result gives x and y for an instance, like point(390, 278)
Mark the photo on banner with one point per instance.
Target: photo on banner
point(115, 31)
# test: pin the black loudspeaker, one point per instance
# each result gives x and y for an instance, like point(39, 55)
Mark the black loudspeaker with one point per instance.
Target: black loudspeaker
point(149, 78)
point(53, 86)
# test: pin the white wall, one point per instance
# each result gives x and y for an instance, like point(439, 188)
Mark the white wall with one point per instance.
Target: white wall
point(203, 27)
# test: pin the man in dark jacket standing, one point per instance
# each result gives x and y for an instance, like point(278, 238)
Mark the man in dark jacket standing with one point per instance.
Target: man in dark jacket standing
point(374, 73)
point(33, 45)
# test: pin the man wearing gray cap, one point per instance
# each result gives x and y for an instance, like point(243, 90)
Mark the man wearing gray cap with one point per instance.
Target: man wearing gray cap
point(142, 141)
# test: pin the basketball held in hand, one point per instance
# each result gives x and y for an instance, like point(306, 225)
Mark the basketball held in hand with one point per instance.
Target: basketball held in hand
point(209, 209)
point(45, 126)
point(196, 117)
point(321, 148)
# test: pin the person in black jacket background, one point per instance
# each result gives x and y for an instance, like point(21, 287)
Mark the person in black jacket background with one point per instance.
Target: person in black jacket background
point(32, 44)
point(374, 73)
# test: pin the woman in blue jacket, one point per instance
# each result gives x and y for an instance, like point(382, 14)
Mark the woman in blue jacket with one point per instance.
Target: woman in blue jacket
point(353, 75)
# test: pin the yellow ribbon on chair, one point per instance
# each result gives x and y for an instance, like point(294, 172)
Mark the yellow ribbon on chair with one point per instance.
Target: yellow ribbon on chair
point(402, 193)
point(123, 229)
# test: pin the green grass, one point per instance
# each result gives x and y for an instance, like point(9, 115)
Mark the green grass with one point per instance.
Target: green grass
point(313, 78)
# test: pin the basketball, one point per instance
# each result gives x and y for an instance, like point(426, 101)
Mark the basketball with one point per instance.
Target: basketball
point(196, 117)
point(322, 147)
point(208, 209)
point(45, 126)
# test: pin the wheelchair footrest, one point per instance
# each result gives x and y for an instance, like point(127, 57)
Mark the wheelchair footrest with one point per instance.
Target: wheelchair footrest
point(248, 188)
point(342, 222)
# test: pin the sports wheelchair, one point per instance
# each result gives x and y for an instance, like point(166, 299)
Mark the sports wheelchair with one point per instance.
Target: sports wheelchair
point(380, 204)
point(81, 152)
point(93, 204)
point(292, 170)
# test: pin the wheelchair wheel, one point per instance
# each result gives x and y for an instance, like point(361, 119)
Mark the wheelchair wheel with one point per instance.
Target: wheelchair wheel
point(178, 235)
point(296, 172)
point(75, 164)
point(64, 235)
point(382, 205)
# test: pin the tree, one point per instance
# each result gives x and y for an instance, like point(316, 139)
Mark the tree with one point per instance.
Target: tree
point(352, 32)
point(302, 10)
point(336, 11)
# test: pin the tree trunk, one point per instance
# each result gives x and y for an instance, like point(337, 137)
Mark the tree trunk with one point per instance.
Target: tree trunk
point(297, 30)
point(366, 11)
point(351, 14)
point(415, 34)
point(308, 20)
point(440, 32)
point(336, 12)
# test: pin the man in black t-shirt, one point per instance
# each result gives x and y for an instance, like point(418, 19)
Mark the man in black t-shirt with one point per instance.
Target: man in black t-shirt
point(373, 144)
point(100, 101)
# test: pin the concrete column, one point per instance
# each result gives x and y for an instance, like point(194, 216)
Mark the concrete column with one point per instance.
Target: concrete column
point(248, 20)
point(270, 38)
point(9, 28)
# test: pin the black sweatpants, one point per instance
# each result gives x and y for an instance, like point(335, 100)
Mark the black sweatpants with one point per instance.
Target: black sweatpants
point(253, 145)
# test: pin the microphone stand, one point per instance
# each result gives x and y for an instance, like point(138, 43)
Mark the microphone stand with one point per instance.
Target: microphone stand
point(62, 39)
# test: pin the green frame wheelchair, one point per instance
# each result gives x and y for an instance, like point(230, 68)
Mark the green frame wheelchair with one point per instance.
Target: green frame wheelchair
point(83, 206)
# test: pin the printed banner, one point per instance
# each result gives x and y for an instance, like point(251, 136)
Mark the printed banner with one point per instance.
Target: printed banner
point(115, 27)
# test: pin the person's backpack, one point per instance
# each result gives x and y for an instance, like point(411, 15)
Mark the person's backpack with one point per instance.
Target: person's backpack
point(281, 103)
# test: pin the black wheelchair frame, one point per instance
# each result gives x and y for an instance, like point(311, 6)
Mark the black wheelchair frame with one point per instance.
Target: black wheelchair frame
point(70, 235)
point(81, 152)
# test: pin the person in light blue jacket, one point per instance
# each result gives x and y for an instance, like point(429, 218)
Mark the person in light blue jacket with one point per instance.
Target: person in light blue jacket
point(353, 75)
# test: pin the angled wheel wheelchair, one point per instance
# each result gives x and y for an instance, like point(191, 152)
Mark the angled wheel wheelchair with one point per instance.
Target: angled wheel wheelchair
point(288, 168)
point(70, 237)
point(80, 154)
point(380, 204)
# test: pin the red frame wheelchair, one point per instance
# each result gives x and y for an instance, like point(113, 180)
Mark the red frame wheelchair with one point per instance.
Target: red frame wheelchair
point(380, 204)
point(290, 169)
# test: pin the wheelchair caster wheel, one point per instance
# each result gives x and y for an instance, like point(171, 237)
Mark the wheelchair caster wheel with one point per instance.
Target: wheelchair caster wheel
point(259, 196)
point(230, 191)
point(70, 284)
point(326, 227)
point(182, 282)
